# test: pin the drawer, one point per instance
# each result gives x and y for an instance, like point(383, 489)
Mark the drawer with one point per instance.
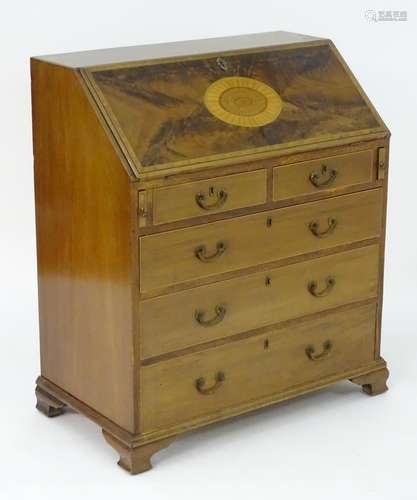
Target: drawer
point(188, 254)
point(210, 196)
point(210, 312)
point(199, 384)
point(323, 175)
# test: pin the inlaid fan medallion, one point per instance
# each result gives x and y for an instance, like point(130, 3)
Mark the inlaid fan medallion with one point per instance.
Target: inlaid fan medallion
point(242, 101)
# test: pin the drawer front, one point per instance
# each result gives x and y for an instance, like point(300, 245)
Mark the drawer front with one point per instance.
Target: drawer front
point(195, 385)
point(201, 251)
point(210, 312)
point(210, 196)
point(323, 175)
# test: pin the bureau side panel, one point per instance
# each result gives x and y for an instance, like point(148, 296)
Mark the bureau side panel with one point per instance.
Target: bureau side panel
point(84, 227)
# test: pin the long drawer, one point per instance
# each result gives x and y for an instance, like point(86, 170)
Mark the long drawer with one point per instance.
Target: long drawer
point(187, 254)
point(199, 384)
point(210, 312)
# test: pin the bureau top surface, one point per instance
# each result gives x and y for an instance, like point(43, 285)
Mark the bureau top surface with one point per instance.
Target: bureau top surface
point(187, 103)
point(135, 53)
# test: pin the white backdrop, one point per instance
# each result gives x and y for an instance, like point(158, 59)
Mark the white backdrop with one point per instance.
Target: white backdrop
point(337, 443)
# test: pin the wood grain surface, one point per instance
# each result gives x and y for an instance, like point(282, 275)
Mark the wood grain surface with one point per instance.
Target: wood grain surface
point(159, 110)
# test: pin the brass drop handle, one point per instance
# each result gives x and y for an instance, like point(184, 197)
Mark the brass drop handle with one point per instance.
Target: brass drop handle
point(203, 256)
point(219, 196)
point(313, 287)
point(311, 351)
point(201, 382)
point(314, 227)
point(220, 312)
point(323, 179)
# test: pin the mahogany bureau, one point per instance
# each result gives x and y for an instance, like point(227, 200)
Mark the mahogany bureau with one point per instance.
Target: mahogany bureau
point(210, 232)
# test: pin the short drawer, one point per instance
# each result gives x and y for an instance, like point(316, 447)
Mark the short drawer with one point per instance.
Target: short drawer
point(179, 320)
point(188, 254)
point(324, 175)
point(197, 385)
point(211, 196)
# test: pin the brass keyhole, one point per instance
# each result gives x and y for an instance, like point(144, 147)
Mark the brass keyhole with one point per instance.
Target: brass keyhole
point(266, 344)
point(222, 64)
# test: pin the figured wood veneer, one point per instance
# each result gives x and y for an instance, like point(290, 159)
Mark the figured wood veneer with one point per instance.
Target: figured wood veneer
point(179, 128)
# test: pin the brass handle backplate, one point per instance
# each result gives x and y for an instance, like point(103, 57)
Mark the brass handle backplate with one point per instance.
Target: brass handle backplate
point(323, 179)
point(218, 199)
point(314, 227)
point(311, 351)
point(201, 252)
point(220, 313)
point(201, 382)
point(313, 287)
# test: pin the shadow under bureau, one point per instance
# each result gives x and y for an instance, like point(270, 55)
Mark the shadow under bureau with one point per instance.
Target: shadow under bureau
point(210, 231)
